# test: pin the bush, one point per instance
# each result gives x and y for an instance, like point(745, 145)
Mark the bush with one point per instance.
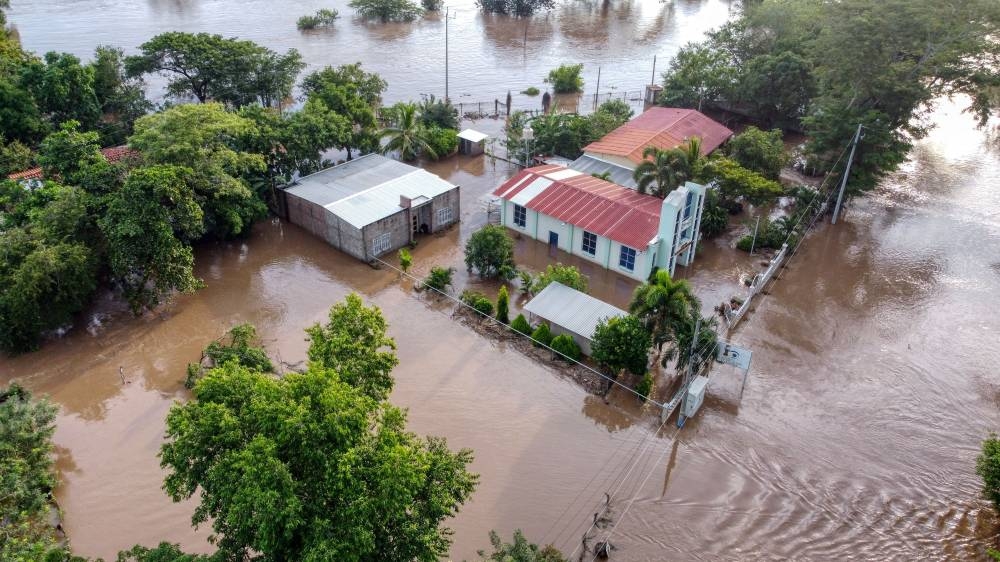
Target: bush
point(645, 386)
point(531, 91)
point(491, 252)
point(520, 324)
point(387, 10)
point(444, 142)
point(760, 151)
point(527, 281)
point(405, 259)
point(542, 335)
point(322, 18)
point(438, 113)
point(503, 305)
point(617, 108)
point(988, 468)
point(621, 342)
point(566, 79)
point(565, 345)
point(480, 302)
point(770, 234)
point(715, 217)
point(735, 182)
point(439, 279)
point(566, 274)
point(432, 5)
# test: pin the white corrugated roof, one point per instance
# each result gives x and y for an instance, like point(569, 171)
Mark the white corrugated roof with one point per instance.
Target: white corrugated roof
point(472, 135)
point(367, 189)
point(577, 312)
point(533, 189)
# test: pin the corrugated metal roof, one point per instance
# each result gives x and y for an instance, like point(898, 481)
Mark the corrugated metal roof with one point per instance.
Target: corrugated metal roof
point(577, 312)
point(595, 205)
point(367, 189)
point(472, 135)
point(616, 174)
point(664, 128)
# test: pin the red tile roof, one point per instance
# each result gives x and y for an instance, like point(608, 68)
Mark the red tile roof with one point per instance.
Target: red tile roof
point(112, 154)
point(606, 209)
point(664, 128)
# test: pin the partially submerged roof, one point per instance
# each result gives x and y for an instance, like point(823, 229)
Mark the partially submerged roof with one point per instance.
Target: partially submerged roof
point(616, 174)
point(664, 128)
point(472, 135)
point(368, 189)
point(577, 312)
point(619, 213)
point(112, 154)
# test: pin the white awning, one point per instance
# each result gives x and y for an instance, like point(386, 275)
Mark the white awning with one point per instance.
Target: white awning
point(472, 135)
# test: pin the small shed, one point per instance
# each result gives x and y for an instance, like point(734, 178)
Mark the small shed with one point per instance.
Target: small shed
point(471, 142)
point(372, 205)
point(569, 311)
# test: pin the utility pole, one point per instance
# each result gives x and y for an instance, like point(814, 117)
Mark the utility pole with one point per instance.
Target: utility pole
point(446, 18)
point(689, 372)
point(598, 91)
point(754, 242)
point(847, 172)
point(653, 79)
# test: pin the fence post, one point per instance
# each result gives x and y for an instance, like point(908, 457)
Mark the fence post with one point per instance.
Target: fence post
point(496, 106)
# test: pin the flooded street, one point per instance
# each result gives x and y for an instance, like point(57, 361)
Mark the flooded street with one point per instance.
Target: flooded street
point(874, 372)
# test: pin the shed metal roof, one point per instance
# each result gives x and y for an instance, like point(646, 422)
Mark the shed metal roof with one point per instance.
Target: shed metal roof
point(616, 174)
point(472, 135)
point(595, 205)
point(368, 189)
point(664, 128)
point(577, 312)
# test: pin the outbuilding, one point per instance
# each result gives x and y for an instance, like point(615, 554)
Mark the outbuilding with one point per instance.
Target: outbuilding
point(471, 142)
point(568, 311)
point(372, 205)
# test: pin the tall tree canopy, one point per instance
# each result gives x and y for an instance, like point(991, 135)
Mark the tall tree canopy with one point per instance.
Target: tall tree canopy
point(827, 66)
point(211, 67)
point(350, 91)
point(311, 467)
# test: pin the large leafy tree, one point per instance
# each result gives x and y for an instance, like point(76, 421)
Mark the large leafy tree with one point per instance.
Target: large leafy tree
point(759, 151)
point(490, 251)
point(622, 342)
point(350, 91)
point(310, 467)
point(661, 171)
point(405, 135)
point(734, 182)
point(74, 158)
point(148, 225)
point(354, 343)
point(63, 89)
point(20, 118)
point(664, 306)
point(122, 98)
point(204, 139)
point(211, 67)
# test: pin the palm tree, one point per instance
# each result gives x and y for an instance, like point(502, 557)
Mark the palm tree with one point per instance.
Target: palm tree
point(663, 170)
point(406, 135)
point(695, 161)
point(665, 307)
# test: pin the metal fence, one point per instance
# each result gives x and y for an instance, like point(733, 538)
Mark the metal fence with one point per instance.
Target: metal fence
point(733, 317)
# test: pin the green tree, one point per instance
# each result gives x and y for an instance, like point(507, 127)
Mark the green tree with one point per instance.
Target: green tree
point(988, 468)
point(439, 279)
point(322, 18)
point(617, 108)
point(490, 251)
point(568, 275)
point(20, 118)
point(122, 98)
point(242, 348)
point(503, 305)
point(310, 467)
point(519, 8)
point(759, 151)
point(200, 138)
point(15, 156)
point(212, 67)
point(164, 552)
point(75, 158)
point(405, 259)
point(645, 386)
point(354, 344)
point(307, 133)
point(715, 217)
point(663, 306)
point(621, 343)
point(736, 182)
point(63, 89)
point(148, 226)
point(542, 334)
point(438, 113)
point(387, 10)
point(777, 88)
point(697, 77)
point(405, 135)
point(520, 324)
point(566, 79)
point(443, 142)
point(661, 171)
point(566, 346)
point(353, 93)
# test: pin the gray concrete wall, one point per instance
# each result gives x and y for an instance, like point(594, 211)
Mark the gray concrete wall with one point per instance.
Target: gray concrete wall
point(448, 199)
point(398, 227)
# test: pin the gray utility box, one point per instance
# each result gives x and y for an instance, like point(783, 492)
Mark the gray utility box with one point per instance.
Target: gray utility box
point(695, 396)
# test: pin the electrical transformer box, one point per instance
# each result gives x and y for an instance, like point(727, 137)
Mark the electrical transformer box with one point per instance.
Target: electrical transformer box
point(695, 396)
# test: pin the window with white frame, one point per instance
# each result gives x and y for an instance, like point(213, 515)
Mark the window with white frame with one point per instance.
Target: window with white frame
point(520, 216)
point(381, 243)
point(626, 259)
point(589, 245)
point(444, 215)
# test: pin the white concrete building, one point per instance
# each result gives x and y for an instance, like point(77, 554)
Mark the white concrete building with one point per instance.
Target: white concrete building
point(613, 226)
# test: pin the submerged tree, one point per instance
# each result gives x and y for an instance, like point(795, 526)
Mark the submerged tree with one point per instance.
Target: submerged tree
point(664, 306)
point(311, 466)
point(491, 252)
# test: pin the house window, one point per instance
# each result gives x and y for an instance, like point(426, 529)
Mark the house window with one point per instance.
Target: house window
point(444, 215)
point(589, 243)
point(689, 204)
point(626, 259)
point(380, 244)
point(520, 216)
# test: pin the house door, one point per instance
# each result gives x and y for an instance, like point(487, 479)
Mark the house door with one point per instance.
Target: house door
point(553, 240)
